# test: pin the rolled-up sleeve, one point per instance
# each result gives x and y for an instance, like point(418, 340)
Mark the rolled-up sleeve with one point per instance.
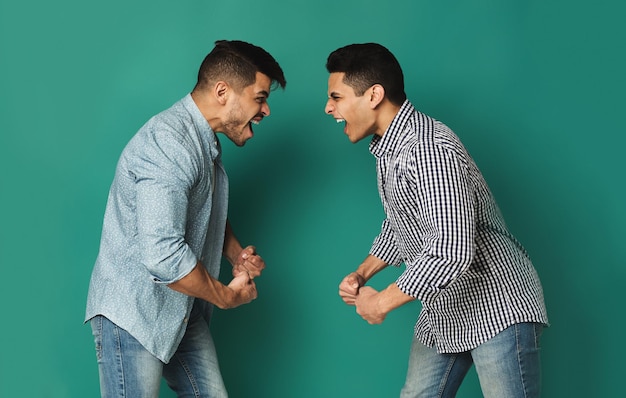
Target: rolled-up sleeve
point(384, 246)
point(164, 176)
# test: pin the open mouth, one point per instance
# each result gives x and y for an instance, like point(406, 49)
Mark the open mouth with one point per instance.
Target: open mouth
point(254, 122)
point(345, 124)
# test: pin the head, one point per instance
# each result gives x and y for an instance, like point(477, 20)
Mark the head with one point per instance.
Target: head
point(234, 82)
point(365, 88)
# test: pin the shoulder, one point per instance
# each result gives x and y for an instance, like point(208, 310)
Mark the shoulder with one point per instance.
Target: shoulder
point(164, 144)
point(169, 130)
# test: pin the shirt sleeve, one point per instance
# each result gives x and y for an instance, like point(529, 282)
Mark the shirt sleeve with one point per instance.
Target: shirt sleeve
point(164, 171)
point(384, 246)
point(445, 221)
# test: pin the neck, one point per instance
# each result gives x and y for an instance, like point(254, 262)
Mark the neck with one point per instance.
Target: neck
point(208, 108)
point(386, 114)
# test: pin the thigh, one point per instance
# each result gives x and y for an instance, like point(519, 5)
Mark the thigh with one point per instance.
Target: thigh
point(431, 374)
point(194, 370)
point(126, 368)
point(508, 365)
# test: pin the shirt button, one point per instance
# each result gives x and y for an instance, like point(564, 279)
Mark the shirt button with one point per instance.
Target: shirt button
point(186, 320)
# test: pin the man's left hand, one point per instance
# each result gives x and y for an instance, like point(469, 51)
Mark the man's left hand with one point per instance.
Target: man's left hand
point(250, 262)
point(368, 305)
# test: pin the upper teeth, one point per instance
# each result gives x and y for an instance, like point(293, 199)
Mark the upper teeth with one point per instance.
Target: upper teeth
point(254, 121)
point(340, 120)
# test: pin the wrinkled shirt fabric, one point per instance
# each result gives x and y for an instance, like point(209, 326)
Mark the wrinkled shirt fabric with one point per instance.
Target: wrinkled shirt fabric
point(166, 210)
point(473, 278)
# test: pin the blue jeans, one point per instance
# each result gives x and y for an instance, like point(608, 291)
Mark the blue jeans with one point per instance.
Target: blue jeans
point(127, 369)
point(508, 365)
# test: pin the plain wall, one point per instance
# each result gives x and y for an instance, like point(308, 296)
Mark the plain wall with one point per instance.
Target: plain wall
point(534, 89)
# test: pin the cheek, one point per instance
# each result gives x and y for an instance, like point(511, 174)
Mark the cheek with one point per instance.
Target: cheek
point(350, 115)
point(342, 110)
point(253, 109)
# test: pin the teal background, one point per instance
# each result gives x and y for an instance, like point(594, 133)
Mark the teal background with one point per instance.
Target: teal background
point(535, 89)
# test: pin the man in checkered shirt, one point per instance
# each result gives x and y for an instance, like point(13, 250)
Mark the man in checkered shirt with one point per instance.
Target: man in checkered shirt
point(482, 301)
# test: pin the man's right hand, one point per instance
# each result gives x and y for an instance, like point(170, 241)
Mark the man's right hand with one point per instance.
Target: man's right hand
point(349, 287)
point(243, 288)
point(199, 283)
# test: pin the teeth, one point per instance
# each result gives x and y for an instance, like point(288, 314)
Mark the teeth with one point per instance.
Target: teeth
point(340, 120)
point(254, 122)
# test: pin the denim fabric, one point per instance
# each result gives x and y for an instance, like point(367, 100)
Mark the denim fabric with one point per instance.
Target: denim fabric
point(508, 365)
point(127, 369)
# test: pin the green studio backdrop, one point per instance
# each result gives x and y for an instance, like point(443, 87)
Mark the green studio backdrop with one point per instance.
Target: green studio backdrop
point(535, 89)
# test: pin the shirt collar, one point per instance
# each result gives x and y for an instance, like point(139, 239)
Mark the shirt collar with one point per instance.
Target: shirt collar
point(393, 136)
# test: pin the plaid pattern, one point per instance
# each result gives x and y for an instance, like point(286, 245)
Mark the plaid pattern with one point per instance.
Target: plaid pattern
point(473, 277)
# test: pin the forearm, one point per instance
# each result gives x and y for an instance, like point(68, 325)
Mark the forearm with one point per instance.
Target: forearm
point(232, 247)
point(392, 297)
point(374, 306)
point(198, 283)
point(370, 267)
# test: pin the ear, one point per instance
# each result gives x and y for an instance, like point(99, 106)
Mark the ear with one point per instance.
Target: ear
point(221, 90)
point(377, 94)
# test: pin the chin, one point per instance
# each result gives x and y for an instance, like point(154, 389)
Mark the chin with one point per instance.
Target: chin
point(240, 143)
point(355, 138)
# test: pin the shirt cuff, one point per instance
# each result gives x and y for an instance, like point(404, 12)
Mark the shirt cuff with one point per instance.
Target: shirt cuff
point(186, 264)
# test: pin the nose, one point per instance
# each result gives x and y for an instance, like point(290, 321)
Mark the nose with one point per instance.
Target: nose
point(265, 109)
point(329, 107)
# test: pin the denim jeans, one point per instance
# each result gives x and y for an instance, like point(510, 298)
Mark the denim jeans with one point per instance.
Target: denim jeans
point(127, 369)
point(508, 365)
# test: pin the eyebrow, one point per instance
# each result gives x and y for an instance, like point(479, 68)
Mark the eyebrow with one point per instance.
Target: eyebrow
point(263, 92)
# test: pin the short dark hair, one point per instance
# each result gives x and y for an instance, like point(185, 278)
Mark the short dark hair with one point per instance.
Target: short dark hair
point(237, 62)
point(367, 64)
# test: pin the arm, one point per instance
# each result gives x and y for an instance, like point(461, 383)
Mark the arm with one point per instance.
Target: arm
point(445, 213)
point(198, 283)
point(162, 183)
point(243, 260)
point(241, 290)
point(374, 306)
point(350, 285)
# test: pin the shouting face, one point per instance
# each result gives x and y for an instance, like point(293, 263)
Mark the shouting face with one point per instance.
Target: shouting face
point(246, 108)
point(348, 108)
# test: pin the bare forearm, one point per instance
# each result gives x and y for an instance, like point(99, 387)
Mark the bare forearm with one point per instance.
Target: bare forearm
point(350, 285)
point(374, 306)
point(370, 267)
point(232, 247)
point(392, 297)
point(198, 283)
point(242, 259)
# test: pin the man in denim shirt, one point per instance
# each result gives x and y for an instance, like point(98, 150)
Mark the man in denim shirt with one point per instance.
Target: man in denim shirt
point(165, 230)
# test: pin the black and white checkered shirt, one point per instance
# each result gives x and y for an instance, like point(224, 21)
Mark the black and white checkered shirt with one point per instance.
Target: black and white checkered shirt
point(473, 277)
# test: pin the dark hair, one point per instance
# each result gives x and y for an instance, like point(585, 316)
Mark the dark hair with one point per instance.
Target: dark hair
point(367, 64)
point(237, 62)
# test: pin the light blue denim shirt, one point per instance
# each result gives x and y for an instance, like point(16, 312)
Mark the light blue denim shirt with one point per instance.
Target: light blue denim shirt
point(166, 210)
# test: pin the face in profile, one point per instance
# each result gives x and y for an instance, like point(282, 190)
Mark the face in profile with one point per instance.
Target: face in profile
point(245, 109)
point(355, 112)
